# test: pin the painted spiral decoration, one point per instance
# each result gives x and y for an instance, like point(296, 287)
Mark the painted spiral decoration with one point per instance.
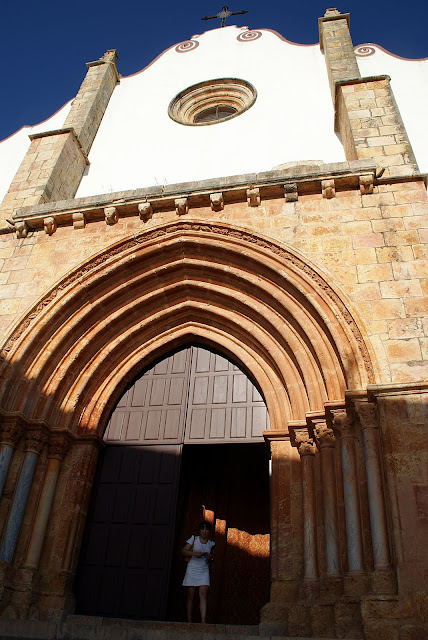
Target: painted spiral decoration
point(364, 51)
point(187, 45)
point(247, 36)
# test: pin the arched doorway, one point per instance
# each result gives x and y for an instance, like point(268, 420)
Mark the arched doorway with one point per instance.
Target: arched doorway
point(162, 471)
point(67, 364)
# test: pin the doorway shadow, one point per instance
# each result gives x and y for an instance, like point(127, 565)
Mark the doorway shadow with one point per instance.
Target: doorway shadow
point(130, 564)
point(229, 486)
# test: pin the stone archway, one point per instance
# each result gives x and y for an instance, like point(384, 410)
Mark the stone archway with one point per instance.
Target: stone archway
point(67, 363)
point(183, 444)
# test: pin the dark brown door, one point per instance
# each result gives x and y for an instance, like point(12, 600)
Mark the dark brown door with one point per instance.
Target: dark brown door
point(126, 553)
point(192, 396)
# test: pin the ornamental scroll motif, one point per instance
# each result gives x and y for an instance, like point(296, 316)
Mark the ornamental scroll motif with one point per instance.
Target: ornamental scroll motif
point(249, 36)
point(207, 229)
point(187, 45)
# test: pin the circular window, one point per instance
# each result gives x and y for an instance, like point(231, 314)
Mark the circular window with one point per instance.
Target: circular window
point(212, 101)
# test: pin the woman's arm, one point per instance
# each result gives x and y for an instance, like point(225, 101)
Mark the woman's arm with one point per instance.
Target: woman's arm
point(210, 555)
point(187, 551)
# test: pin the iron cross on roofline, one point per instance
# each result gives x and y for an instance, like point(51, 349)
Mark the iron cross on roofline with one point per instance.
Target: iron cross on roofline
point(224, 13)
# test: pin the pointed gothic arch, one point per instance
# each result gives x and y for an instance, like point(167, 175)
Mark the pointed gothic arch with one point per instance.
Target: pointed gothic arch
point(68, 361)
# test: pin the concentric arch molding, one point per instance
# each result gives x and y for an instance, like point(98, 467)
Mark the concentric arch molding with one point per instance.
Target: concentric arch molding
point(289, 257)
point(233, 95)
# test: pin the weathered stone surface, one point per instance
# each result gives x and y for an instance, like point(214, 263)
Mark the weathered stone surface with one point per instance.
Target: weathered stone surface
point(317, 289)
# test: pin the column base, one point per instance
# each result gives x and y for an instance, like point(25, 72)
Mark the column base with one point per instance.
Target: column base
point(331, 588)
point(274, 619)
point(309, 590)
point(384, 581)
point(347, 613)
point(323, 620)
point(356, 584)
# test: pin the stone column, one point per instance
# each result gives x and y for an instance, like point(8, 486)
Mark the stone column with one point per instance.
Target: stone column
point(366, 114)
point(369, 424)
point(34, 444)
point(336, 43)
point(92, 99)
point(10, 434)
point(307, 449)
point(286, 527)
point(326, 443)
point(58, 447)
point(354, 538)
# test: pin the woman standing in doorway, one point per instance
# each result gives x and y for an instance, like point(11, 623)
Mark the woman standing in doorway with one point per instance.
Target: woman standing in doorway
point(200, 551)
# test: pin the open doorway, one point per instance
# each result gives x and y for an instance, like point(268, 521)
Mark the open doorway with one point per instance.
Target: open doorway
point(228, 485)
point(130, 565)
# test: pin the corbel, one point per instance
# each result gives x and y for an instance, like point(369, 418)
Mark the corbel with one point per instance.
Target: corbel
point(111, 215)
point(145, 210)
point(328, 188)
point(21, 228)
point(297, 429)
point(253, 197)
point(366, 183)
point(290, 191)
point(79, 220)
point(181, 206)
point(49, 225)
point(217, 201)
point(313, 418)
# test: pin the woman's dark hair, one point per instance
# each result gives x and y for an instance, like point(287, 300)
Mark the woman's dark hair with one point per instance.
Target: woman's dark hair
point(205, 524)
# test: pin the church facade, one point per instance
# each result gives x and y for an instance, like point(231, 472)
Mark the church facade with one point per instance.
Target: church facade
point(241, 227)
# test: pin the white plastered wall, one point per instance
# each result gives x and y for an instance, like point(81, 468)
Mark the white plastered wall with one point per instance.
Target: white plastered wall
point(138, 144)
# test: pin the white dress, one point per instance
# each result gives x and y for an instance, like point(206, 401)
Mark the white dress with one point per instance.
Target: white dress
point(197, 571)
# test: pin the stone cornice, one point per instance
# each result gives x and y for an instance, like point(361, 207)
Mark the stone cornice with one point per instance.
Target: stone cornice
point(304, 178)
point(273, 435)
point(393, 389)
point(32, 425)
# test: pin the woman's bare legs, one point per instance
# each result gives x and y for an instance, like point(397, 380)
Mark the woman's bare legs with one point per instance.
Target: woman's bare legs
point(190, 597)
point(203, 593)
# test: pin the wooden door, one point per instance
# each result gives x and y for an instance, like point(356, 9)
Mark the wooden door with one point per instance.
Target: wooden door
point(192, 396)
point(224, 404)
point(126, 553)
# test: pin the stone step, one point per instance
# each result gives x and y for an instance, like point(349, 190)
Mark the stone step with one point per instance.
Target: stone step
point(77, 627)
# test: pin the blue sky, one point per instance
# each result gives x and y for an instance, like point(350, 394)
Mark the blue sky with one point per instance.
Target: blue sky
point(46, 43)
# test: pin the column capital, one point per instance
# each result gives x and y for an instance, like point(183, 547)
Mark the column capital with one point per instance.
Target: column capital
point(343, 423)
point(58, 446)
point(366, 412)
point(323, 434)
point(35, 440)
point(305, 444)
point(11, 432)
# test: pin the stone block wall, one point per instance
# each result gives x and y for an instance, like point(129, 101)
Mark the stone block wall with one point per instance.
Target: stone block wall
point(51, 170)
point(371, 126)
point(373, 247)
point(364, 230)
